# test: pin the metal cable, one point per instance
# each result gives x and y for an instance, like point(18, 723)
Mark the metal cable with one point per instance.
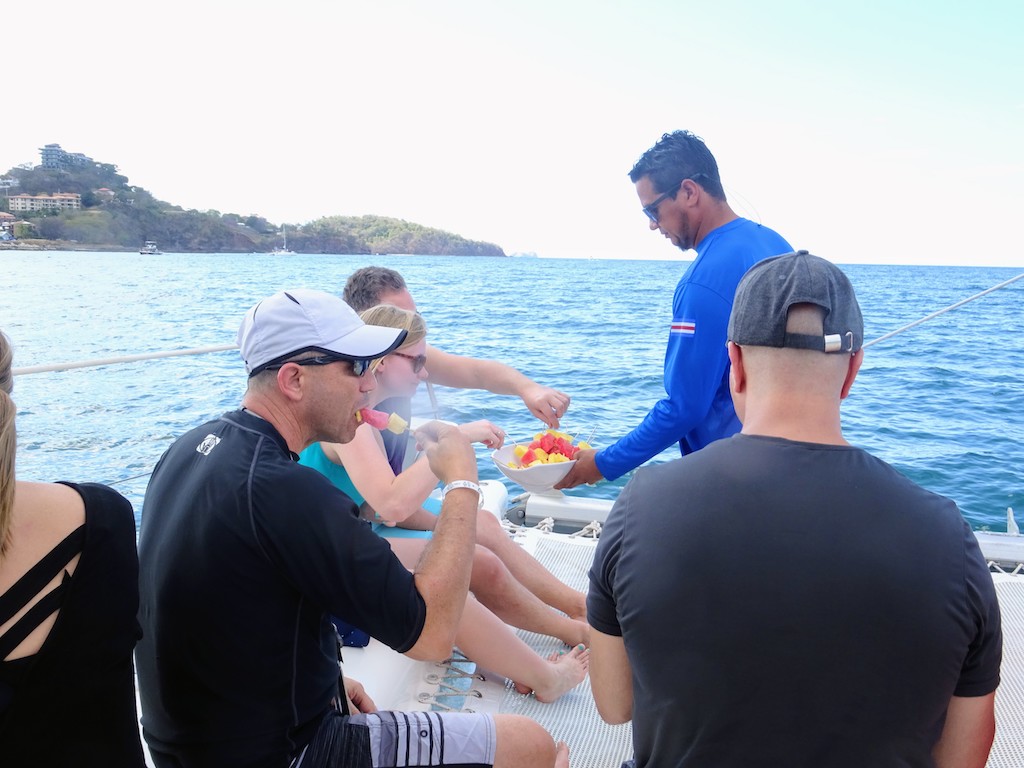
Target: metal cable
point(943, 311)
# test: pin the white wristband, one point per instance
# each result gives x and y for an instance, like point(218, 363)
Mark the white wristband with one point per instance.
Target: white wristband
point(462, 484)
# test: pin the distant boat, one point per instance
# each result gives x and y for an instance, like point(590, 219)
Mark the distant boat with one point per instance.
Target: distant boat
point(283, 250)
point(149, 248)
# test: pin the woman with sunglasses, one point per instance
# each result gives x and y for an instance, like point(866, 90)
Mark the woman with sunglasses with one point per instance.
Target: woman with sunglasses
point(509, 586)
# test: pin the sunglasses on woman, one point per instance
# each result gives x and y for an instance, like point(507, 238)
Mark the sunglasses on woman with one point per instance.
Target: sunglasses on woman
point(418, 361)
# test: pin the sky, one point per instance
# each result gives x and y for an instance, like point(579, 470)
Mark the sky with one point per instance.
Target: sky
point(871, 132)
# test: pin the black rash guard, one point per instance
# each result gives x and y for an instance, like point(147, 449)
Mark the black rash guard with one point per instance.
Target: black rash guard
point(244, 554)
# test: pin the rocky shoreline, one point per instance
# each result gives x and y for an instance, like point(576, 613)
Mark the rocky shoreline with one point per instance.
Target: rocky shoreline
point(59, 245)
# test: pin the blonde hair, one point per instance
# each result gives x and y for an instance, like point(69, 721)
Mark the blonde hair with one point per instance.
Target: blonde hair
point(390, 316)
point(8, 442)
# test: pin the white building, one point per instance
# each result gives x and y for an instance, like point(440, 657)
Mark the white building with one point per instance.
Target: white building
point(61, 201)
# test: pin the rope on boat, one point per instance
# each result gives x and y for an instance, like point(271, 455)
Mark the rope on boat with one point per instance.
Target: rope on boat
point(546, 524)
point(591, 530)
point(995, 567)
point(943, 311)
point(122, 359)
point(228, 347)
point(133, 477)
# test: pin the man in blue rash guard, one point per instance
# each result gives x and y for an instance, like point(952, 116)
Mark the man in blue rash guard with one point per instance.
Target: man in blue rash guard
point(863, 627)
point(681, 193)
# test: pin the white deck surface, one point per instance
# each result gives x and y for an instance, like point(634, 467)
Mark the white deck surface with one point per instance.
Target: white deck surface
point(1008, 749)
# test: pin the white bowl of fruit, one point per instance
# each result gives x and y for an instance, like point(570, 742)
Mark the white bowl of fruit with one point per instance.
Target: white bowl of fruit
point(538, 466)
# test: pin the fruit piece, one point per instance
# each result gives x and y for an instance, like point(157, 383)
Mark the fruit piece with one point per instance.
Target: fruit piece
point(380, 420)
point(562, 446)
point(548, 447)
point(375, 419)
point(397, 424)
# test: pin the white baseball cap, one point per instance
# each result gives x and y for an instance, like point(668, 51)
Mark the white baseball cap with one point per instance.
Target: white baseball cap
point(305, 320)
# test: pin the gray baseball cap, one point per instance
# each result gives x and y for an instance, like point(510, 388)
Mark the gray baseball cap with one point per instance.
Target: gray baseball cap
point(760, 310)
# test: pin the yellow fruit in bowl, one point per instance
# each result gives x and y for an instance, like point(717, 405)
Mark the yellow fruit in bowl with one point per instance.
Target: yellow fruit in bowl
point(547, 447)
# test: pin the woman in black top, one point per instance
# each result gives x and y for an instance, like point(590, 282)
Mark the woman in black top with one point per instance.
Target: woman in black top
point(68, 603)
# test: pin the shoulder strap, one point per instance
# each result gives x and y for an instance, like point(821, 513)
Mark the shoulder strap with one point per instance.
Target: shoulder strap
point(40, 574)
point(35, 616)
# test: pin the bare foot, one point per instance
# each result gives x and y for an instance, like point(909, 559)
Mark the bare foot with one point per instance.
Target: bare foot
point(575, 632)
point(561, 755)
point(566, 672)
point(523, 689)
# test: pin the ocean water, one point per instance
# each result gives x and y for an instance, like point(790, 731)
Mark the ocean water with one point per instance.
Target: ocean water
point(943, 402)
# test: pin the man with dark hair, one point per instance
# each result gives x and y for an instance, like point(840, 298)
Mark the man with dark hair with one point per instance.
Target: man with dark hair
point(380, 285)
point(679, 188)
point(235, 531)
point(369, 286)
point(780, 597)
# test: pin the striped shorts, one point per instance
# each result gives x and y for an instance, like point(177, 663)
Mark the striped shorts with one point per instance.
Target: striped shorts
point(401, 740)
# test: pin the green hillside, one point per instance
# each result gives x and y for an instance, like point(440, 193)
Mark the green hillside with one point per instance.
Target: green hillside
point(116, 215)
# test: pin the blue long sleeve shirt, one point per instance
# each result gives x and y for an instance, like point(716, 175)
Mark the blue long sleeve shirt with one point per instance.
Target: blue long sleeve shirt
point(697, 408)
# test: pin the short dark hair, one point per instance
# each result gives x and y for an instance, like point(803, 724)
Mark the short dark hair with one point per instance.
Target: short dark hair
point(365, 286)
point(675, 157)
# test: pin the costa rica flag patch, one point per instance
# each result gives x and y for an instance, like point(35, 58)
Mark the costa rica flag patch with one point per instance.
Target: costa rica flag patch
point(684, 327)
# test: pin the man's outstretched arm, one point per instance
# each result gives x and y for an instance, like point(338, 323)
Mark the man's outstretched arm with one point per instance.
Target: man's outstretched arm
point(446, 369)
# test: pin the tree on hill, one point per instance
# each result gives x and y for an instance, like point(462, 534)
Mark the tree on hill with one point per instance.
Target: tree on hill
point(382, 234)
point(128, 215)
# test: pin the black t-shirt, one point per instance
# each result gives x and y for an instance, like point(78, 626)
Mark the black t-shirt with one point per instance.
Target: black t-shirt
point(244, 554)
point(788, 603)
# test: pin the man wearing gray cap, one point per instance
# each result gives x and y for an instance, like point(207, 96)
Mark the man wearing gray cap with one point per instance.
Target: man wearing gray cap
point(245, 555)
point(781, 597)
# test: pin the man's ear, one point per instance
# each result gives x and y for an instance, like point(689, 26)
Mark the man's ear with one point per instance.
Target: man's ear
point(851, 372)
point(691, 189)
point(290, 381)
point(737, 372)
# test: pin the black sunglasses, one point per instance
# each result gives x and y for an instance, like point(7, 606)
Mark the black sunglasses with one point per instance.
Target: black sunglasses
point(418, 361)
point(651, 209)
point(359, 365)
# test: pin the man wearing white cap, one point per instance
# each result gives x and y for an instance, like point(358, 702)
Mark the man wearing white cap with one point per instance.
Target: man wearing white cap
point(246, 554)
point(780, 597)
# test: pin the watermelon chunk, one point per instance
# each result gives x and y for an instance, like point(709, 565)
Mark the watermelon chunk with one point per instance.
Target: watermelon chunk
point(380, 420)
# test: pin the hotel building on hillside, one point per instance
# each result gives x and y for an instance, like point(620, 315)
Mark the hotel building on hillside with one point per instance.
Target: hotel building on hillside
point(55, 157)
point(61, 201)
